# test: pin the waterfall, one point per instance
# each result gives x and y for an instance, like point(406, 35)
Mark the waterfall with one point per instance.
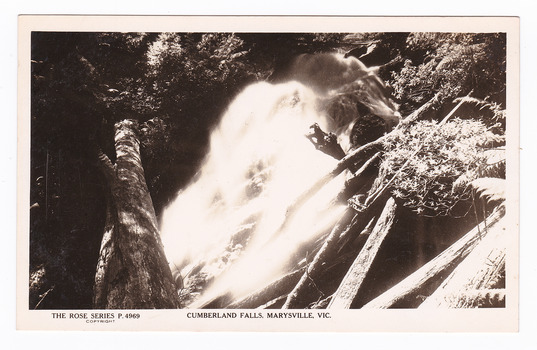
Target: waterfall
point(223, 233)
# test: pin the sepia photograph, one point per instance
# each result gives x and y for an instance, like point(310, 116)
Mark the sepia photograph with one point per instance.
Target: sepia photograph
point(291, 174)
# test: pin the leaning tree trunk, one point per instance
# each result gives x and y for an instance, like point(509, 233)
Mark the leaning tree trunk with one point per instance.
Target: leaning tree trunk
point(132, 271)
point(410, 291)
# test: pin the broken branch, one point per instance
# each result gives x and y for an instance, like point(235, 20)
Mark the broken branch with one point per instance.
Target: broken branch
point(325, 142)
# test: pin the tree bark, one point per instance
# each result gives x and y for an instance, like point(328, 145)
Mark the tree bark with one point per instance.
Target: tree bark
point(350, 286)
point(410, 290)
point(132, 271)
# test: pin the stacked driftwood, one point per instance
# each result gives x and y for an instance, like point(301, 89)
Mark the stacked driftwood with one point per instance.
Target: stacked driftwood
point(466, 274)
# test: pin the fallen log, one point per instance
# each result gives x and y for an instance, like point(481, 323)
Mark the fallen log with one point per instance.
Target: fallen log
point(322, 304)
point(350, 224)
point(410, 290)
point(347, 223)
point(364, 177)
point(273, 302)
point(294, 299)
point(280, 287)
point(482, 270)
point(355, 243)
point(352, 282)
point(352, 157)
point(432, 103)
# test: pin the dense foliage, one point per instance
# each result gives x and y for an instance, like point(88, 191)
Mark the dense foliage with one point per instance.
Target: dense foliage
point(430, 166)
point(453, 64)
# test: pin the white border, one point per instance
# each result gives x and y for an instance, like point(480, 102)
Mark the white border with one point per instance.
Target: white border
point(61, 340)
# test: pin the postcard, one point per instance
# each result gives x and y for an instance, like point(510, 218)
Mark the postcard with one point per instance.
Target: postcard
point(268, 173)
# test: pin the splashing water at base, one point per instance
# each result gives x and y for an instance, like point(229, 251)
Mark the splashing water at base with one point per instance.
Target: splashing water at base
point(224, 233)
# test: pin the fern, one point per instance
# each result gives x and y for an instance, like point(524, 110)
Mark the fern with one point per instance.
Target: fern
point(493, 114)
point(490, 189)
point(495, 164)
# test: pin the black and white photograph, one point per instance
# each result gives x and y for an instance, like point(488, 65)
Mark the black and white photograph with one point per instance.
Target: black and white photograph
point(298, 176)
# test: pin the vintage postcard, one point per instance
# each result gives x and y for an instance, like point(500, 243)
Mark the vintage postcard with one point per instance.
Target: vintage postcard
point(245, 173)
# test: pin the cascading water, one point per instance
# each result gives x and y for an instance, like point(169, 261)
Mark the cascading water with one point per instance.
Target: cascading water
point(223, 234)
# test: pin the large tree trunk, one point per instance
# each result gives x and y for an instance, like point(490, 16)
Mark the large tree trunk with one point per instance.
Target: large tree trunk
point(132, 271)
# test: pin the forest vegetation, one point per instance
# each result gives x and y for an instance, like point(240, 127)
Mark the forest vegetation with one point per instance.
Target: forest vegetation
point(122, 122)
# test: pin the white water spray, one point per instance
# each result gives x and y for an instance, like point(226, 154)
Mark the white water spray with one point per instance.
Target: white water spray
point(226, 227)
